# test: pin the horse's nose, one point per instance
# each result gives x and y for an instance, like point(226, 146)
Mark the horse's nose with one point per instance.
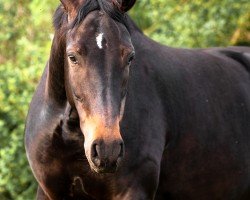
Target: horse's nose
point(107, 156)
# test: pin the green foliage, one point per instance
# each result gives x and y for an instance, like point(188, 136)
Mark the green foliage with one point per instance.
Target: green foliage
point(194, 23)
point(25, 38)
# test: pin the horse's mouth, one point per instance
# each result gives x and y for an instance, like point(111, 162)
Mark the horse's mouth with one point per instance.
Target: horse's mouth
point(107, 168)
point(104, 170)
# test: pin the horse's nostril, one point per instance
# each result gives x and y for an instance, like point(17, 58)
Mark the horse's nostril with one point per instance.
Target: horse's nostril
point(121, 150)
point(95, 157)
point(94, 151)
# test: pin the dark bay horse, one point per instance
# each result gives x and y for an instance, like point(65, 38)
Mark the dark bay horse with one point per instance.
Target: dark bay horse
point(119, 116)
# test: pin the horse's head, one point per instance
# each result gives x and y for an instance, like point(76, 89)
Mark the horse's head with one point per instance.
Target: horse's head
point(98, 56)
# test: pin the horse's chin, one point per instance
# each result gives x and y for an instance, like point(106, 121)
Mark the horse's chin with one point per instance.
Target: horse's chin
point(102, 170)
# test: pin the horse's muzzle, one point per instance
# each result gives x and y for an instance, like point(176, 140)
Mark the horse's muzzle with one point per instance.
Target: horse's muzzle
point(106, 157)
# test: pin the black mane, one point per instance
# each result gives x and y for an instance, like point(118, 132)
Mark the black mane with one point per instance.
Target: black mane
point(90, 5)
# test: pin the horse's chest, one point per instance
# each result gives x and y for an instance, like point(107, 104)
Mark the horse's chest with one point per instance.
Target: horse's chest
point(90, 186)
point(83, 182)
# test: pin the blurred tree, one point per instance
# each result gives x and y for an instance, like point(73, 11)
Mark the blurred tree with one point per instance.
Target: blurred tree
point(195, 23)
point(25, 38)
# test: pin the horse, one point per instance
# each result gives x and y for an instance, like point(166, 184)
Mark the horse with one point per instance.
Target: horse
point(118, 116)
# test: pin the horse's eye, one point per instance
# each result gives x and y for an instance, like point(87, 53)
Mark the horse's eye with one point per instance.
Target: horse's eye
point(130, 58)
point(73, 59)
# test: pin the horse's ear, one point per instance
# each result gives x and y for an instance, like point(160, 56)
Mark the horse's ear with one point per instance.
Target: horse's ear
point(125, 5)
point(72, 6)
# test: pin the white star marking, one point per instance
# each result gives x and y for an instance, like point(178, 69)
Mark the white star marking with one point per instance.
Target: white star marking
point(99, 39)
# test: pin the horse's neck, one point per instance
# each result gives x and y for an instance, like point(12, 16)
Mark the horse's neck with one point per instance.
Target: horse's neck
point(139, 40)
point(55, 90)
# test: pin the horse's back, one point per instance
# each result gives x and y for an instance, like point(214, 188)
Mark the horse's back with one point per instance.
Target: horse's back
point(238, 54)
